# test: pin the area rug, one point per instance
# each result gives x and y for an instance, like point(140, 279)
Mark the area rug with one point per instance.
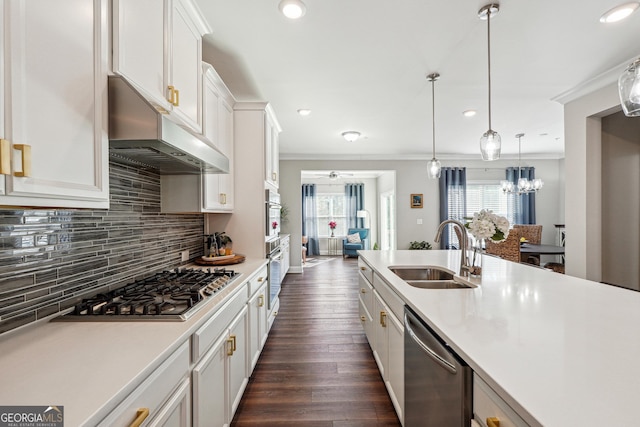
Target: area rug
point(312, 262)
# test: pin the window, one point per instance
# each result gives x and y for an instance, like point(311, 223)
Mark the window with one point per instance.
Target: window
point(331, 207)
point(488, 195)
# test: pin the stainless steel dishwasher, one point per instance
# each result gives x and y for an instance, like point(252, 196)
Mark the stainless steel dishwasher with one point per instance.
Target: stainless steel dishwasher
point(437, 383)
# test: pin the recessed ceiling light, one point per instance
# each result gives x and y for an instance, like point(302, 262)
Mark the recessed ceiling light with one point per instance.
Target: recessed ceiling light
point(620, 12)
point(351, 135)
point(292, 9)
point(304, 112)
point(469, 113)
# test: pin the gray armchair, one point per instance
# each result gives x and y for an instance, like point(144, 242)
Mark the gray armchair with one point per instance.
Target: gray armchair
point(351, 249)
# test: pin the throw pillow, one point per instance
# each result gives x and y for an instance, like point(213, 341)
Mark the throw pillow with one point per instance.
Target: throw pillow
point(354, 238)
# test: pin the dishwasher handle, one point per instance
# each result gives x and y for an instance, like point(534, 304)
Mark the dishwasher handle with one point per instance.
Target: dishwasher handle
point(431, 353)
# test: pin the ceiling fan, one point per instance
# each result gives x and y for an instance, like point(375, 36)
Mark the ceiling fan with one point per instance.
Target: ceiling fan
point(333, 175)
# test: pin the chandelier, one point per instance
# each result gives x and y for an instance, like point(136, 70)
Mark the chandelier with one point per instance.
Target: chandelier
point(524, 185)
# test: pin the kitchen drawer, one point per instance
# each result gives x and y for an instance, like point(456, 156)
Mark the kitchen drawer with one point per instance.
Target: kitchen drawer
point(208, 333)
point(487, 404)
point(154, 391)
point(391, 299)
point(365, 270)
point(366, 292)
point(257, 280)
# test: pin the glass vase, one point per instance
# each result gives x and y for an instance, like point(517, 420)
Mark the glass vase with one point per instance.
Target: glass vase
point(332, 235)
point(475, 259)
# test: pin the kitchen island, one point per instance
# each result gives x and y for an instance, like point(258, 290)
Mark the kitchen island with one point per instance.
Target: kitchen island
point(559, 350)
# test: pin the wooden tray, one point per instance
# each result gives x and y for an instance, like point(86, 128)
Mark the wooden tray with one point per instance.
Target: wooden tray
point(223, 260)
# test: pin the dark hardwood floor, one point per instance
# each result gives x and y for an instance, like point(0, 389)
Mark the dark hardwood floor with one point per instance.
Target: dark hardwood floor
point(317, 369)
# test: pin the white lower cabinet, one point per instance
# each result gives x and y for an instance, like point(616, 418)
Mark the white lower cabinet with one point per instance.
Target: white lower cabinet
point(385, 333)
point(220, 377)
point(489, 410)
point(162, 397)
point(258, 317)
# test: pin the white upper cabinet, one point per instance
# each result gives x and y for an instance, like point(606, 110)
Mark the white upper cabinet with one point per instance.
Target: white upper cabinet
point(272, 149)
point(218, 128)
point(157, 47)
point(54, 116)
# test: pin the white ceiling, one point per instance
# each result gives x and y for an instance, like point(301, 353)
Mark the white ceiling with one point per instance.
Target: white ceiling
point(362, 65)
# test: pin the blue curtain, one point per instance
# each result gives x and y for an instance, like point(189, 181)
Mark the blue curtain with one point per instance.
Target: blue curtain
point(354, 201)
point(309, 220)
point(524, 205)
point(453, 202)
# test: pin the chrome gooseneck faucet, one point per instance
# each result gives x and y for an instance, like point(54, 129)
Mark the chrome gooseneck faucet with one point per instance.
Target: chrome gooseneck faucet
point(464, 242)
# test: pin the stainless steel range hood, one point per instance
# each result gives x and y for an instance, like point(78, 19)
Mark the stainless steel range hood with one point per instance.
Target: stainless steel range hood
point(141, 136)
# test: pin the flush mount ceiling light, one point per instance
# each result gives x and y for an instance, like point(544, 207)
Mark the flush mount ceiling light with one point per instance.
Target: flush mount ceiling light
point(433, 167)
point(490, 143)
point(629, 89)
point(304, 112)
point(523, 186)
point(619, 13)
point(292, 9)
point(351, 135)
point(469, 113)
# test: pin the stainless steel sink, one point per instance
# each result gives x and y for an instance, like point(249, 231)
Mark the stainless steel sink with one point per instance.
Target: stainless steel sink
point(429, 277)
point(437, 284)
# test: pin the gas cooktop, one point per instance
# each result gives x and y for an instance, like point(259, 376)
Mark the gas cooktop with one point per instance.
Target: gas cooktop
point(169, 295)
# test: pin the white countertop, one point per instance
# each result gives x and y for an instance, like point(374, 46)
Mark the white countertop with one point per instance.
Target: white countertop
point(561, 351)
point(84, 365)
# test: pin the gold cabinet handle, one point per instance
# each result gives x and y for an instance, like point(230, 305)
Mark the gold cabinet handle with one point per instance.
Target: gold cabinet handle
point(233, 338)
point(383, 319)
point(274, 176)
point(363, 318)
point(223, 199)
point(260, 300)
point(230, 346)
point(363, 268)
point(260, 279)
point(26, 159)
point(141, 415)
point(174, 96)
point(5, 157)
point(493, 422)
point(363, 291)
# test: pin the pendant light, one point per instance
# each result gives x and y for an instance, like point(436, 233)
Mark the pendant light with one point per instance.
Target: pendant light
point(523, 186)
point(629, 89)
point(490, 143)
point(433, 167)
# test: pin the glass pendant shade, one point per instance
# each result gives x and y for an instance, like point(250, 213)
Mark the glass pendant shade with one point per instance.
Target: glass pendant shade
point(434, 168)
point(490, 145)
point(629, 89)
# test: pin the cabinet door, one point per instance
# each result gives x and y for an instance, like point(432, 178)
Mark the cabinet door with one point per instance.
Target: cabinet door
point(210, 385)
point(56, 103)
point(272, 147)
point(381, 321)
point(394, 379)
point(185, 66)
point(177, 411)
point(139, 47)
point(257, 325)
point(238, 376)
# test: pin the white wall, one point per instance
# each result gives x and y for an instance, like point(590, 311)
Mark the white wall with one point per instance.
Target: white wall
point(620, 201)
point(411, 177)
point(583, 172)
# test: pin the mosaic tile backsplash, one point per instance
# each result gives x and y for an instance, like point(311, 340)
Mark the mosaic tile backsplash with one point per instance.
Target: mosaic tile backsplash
point(50, 258)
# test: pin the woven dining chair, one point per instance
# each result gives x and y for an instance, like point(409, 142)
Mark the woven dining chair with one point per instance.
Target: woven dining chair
point(533, 233)
point(509, 249)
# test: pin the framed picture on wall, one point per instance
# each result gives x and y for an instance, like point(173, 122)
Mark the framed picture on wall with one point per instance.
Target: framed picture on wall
point(416, 200)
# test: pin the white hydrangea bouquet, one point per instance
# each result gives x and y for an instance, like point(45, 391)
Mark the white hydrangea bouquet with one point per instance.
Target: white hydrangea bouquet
point(487, 225)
